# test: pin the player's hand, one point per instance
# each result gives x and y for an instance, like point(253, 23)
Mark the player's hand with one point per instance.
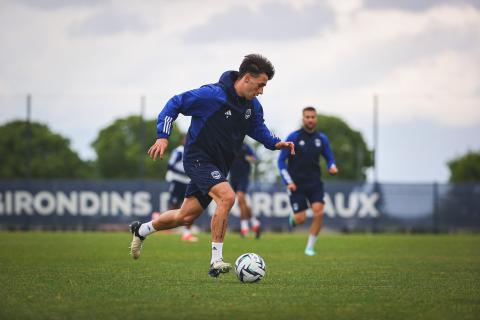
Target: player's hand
point(286, 145)
point(292, 187)
point(333, 170)
point(158, 149)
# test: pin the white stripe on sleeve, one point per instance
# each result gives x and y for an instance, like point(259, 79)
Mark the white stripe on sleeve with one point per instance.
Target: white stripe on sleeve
point(166, 124)
point(169, 127)
point(286, 176)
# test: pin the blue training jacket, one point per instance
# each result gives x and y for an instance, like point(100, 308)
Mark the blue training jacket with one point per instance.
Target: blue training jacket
point(304, 167)
point(220, 121)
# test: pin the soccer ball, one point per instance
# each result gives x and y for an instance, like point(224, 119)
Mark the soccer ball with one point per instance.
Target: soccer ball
point(250, 267)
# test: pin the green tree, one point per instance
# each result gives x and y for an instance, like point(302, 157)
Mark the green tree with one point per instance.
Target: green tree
point(49, 153)
point(121, 153)
point(465, 168)
point(351, 153)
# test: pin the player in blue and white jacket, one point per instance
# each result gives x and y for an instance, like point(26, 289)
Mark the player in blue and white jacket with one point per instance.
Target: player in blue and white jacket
point(222, 114)
point(239, 180)
point(178, 185)
point(302, 174)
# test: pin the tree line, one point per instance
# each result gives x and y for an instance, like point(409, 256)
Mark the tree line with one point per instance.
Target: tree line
point(33, 150)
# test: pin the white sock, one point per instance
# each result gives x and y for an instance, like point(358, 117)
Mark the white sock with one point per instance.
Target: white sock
point(311, 241)
point(254, 221)
point(244, 224)
point(146, 229)
point(216, 252)
point(186, 231)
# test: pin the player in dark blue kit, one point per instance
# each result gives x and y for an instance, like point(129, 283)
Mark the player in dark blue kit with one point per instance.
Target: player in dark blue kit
point(222, 114)
point(302, 175)
point(178, 185)
point(240, 179)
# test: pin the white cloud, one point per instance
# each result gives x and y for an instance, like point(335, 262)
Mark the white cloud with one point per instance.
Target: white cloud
point(283, 22)
point(416, 5)
point(443, 88)
point(108, 22)
point(423, 63)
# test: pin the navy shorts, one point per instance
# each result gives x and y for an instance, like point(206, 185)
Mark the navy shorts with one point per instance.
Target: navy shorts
point(177, 194)
point(239, 184)
point(298, 198)
point(204, 175)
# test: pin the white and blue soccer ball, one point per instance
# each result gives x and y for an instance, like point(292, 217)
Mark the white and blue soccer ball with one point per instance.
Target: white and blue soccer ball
point(250, 267)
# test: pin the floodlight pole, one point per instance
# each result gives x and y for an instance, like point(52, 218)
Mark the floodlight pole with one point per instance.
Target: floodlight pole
point(142, 137)
point(375, 138)
point(28, 135)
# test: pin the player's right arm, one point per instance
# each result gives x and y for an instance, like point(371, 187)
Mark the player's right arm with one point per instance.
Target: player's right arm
point(283, 165)
point(158, 148)
point(250, 156)
point(190, 103)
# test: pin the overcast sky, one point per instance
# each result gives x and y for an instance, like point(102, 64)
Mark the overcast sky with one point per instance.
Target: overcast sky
point(87, 62)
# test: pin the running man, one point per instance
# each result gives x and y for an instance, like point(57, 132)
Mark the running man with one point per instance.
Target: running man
point(302, 175)
point(240, 179)
point(222, 114)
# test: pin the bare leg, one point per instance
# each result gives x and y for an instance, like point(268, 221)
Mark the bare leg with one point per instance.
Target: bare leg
point(315, 228)
point(186, 230)
point(245, 211)
point(317, 208)
point(300, 217)
point(224, 197)
point(188, 212)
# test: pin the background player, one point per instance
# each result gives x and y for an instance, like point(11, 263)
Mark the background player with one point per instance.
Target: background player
point(302, 174)
point(239, 179)
point(178, 185)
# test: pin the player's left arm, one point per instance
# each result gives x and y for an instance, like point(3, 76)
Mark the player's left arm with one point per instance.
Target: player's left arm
point(282, 164)
point(328, 154)
point(259, 131)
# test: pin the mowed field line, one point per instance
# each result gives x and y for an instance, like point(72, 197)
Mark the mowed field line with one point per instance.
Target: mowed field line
point(80, 275)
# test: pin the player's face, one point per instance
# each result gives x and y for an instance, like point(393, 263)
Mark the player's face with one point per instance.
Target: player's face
point(254, 86)
point(309, 120)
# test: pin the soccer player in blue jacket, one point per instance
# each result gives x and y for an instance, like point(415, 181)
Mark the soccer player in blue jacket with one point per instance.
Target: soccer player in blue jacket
point(222, 114)
point(239, 180)
point(302, 175)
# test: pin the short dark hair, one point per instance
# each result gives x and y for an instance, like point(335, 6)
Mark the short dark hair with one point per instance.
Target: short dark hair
point(256, 64)
point(309, 108)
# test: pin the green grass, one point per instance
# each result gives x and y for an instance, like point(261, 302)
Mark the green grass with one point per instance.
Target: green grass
point(90, 275)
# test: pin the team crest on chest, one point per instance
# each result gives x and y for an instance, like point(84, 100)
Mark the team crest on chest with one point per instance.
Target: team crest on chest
point(216, 175)
point(248, 113)
point(301, 143)
point(318, 143)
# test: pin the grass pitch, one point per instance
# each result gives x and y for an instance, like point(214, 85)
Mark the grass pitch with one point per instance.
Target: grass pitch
point(90, 275)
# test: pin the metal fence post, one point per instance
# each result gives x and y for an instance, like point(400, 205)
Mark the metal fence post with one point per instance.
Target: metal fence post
point(435, 207)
